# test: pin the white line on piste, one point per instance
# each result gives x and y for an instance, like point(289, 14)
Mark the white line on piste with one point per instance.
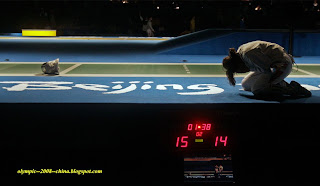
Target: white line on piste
point(69, 69)
point(146, 75)
point(186, 68)
point(304, 71)
point(113, 63)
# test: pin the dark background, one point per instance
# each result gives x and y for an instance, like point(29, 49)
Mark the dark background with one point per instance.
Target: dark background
point(115, 18)
point(134, 144)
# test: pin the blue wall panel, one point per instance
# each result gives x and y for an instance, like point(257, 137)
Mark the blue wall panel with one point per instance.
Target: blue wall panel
point(220, 45)
point(306, 44)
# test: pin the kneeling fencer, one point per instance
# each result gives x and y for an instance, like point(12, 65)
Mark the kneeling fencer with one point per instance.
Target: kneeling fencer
point(268, 65)
point(51, 67)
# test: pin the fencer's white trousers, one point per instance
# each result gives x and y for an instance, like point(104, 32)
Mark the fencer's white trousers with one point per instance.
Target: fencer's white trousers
point(149, 32)
point(256, 81)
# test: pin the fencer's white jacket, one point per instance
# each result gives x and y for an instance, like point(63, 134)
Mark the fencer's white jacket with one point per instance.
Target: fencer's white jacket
point(149, 26)
point(259, 56)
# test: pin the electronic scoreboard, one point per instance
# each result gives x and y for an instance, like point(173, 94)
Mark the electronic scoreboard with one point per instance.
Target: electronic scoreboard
point(207, 153)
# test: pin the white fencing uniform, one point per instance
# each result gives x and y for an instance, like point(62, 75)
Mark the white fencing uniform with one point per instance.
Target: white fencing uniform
point(259, 57)
point(150, 29)
point(51, 67)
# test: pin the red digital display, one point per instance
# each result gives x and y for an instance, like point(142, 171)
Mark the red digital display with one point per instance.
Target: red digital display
point(203, 126)
point(221, 140)
point(218, 141)
point(182, 142)
point(201, 134)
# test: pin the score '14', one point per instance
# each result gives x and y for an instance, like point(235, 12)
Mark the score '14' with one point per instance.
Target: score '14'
point(224, 141)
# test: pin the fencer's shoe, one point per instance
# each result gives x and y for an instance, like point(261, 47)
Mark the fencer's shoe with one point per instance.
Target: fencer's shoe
point(51, 67)
point(300, 91)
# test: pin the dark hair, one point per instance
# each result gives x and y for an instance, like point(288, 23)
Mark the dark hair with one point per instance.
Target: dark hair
point(231, 63)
